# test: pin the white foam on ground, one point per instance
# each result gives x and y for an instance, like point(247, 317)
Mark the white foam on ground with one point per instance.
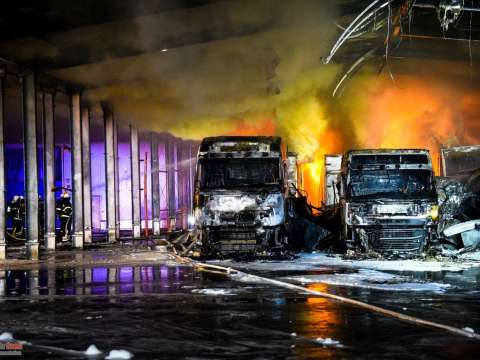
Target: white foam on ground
point(214, 292)
point(307, 261)
point(370, 279)
point(328, 342)
point(119, 355)
point(475, 255)
point(92, 351)
point(6, 336)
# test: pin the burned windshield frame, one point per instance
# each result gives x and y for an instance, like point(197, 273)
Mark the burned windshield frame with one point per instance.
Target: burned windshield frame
point(396, 182)
point(234, 173)
point(359, 161)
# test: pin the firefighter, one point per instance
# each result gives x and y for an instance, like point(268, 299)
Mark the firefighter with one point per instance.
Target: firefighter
point(16, 210)
point(64, 211)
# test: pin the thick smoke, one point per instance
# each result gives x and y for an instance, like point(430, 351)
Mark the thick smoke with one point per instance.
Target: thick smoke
point(268, 78)
point(272, 73)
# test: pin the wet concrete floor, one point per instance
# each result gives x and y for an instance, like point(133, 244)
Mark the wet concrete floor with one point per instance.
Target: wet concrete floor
point(157, 311)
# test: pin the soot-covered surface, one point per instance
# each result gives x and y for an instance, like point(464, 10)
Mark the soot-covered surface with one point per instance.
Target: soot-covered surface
point(173, 312)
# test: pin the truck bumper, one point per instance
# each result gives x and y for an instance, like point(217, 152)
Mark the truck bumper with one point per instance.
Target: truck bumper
point(409, 239)
point(230, 241)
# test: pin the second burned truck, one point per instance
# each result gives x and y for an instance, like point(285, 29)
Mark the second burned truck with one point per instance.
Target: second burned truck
point(388, 200)
point(239, 198)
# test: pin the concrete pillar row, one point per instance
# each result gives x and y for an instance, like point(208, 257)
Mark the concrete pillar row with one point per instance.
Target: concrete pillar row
point(135, 160)
point(31, 167)
point(110, 175)
point(155, 168)
point(3, 241)
point(77, 225)
point(49, 169)
point(87, 189)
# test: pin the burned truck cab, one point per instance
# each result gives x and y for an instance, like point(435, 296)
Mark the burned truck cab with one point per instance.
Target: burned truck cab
point(388, 201)
point(239, 204)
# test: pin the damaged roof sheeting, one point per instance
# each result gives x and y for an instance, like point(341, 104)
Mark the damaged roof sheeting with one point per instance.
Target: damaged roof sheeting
point(382, 24)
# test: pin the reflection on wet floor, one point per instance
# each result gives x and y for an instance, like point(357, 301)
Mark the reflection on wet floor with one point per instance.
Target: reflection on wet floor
point(158, 312)
point(95, 281)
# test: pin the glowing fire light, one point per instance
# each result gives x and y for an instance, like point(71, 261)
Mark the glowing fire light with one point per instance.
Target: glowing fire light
point(414, 114)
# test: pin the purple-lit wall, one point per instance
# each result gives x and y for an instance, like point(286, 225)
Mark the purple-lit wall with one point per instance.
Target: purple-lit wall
point(175, 193)
point(97, 162)
point(162, 177)
point(145, 160)
point(124, 178)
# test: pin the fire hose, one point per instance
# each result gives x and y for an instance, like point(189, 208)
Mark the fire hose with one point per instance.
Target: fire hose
point(244, 277)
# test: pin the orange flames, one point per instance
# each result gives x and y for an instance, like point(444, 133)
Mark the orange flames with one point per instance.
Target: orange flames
point(412, 116)
point(409, 114)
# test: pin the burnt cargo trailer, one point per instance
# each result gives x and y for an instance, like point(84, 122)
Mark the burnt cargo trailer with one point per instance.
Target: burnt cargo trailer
point(240, 191)
point(388, 200)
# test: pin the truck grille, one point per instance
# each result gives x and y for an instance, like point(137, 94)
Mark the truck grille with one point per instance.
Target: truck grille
point(242, 217)
point(407, 240)
point(233, 240)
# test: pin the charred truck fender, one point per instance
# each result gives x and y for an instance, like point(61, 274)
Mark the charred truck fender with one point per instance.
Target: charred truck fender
point(388, 201)
point(240, 190)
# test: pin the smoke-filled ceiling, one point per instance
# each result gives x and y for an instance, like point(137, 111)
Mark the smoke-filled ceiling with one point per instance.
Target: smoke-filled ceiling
point(324, 75)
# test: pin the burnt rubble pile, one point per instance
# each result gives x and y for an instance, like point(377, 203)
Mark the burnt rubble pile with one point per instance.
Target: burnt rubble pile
point(459, 214)
point(312, 228)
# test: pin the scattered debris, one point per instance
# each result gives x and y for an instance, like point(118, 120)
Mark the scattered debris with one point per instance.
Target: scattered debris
point(469, 232)
point(459, 199)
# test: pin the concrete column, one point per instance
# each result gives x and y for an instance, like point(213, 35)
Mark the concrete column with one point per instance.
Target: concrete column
point(3, 241)
point(172, 201)
point(87, 189)
point(31, 166)
point(117, 181)
point(52, 285)
point(79, 273)
point(33, 286)
point(112, 280)
point(77, 225)
point(154, 166)
point(110, 175)
point(135, 181)
point(137, 278)
point(88, 281)
point(49, 169)
point(3, 283)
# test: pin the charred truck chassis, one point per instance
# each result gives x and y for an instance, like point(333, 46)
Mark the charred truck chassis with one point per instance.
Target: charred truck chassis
point(388, 201)
point(240, 196)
